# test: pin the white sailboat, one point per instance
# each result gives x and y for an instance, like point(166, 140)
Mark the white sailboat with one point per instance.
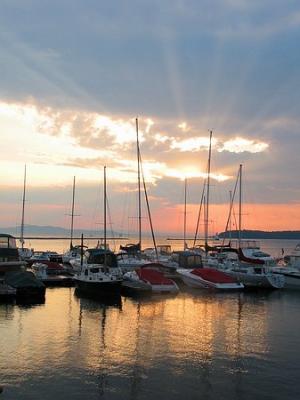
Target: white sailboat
point(208, 278)
point(253, 268)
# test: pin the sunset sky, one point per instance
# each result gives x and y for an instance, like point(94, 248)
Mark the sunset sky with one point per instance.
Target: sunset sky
point(75, 74)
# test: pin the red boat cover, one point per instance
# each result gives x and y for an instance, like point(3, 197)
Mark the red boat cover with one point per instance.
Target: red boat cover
point(51, 265)
point(213, 275)
point(153, 277)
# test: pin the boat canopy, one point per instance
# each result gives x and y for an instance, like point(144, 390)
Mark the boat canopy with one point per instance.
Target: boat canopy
point(153, 277)
point(213, 275)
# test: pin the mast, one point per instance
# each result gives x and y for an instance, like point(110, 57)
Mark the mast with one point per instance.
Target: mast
point(184, 219)
point(199, 213)
point(104, 210)
point(240, 206)
point(72, 215)
point(230, 201)
point(23, 210)
point(139, 183)
point(207, 193)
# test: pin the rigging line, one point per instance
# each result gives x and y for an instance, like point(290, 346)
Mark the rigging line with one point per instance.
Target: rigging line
point(207, 192)
point(235, 221)
point(23, 210)
point(199, 213)
point(231, 204)
point(148, 205)
point(110, 222)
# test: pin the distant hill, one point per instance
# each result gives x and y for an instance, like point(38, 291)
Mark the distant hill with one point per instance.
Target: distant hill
point(36, 230)
point(254, 234)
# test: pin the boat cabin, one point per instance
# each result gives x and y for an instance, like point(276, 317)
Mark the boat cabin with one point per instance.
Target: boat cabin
point(8, 248)
point(101, 257)
point(187, 259)
point(164, 249)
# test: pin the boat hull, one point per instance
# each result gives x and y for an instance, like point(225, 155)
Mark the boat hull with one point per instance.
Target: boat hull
point(292, 280)
point(194, 281)
point(252, 280)
point(98, 288)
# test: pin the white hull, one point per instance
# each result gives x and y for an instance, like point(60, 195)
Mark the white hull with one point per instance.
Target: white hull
point(292, 279)
point(195, 281)
point(155, 288)
point(267, 281)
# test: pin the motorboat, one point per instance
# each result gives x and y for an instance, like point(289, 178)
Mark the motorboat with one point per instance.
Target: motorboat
point(72, 254)
point(41, 256)
point(256, 276)
point(153, 278)
point(209, 278)
point(52, 274)
point(9, 255)
point(25, 253)
point(250, 265)
point(129, 262)
point(290, 274)
point(249, 251)
point(293, 259)
point(99, 273)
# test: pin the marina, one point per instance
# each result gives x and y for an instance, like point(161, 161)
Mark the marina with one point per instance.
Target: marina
point(150, 202)
point(120, 343)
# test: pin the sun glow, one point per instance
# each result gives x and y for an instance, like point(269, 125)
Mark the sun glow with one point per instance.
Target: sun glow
point(192, 172)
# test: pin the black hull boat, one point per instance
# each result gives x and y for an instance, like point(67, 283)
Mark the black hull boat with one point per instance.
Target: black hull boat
point(98, 289)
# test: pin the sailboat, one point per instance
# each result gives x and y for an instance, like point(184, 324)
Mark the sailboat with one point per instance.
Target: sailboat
point(74, 252)
point(99, 274)
point(254, 268)
point(129, 257)
point(207, 277)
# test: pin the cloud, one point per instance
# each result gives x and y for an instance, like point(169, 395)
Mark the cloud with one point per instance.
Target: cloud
point(236, 145)
point(241, 145)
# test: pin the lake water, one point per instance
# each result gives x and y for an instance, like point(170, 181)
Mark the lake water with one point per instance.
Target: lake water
point(194, 345)
point(274, 247)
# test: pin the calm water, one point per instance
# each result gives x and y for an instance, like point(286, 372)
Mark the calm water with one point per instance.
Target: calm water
point(194, 345)
point(274, 247)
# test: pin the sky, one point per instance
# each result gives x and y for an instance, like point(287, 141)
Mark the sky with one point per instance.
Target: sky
point(75, 75)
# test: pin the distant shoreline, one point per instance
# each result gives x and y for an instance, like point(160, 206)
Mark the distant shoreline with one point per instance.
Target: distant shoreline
point(255, 234)
point(33, 232)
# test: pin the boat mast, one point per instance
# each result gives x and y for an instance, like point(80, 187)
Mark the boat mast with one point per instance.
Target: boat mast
point(199, 213)
point(184, 219)
point(72, 215)
point(23, 211)
point(139, 184)
point(104, 210)
point(230, 201)
point(240, 207)
point(207, 194)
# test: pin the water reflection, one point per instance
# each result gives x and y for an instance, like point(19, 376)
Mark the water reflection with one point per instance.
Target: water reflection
point(192, 345)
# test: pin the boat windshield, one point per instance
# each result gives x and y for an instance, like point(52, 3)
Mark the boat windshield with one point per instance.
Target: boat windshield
point(8, 242)
point(164, 249)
